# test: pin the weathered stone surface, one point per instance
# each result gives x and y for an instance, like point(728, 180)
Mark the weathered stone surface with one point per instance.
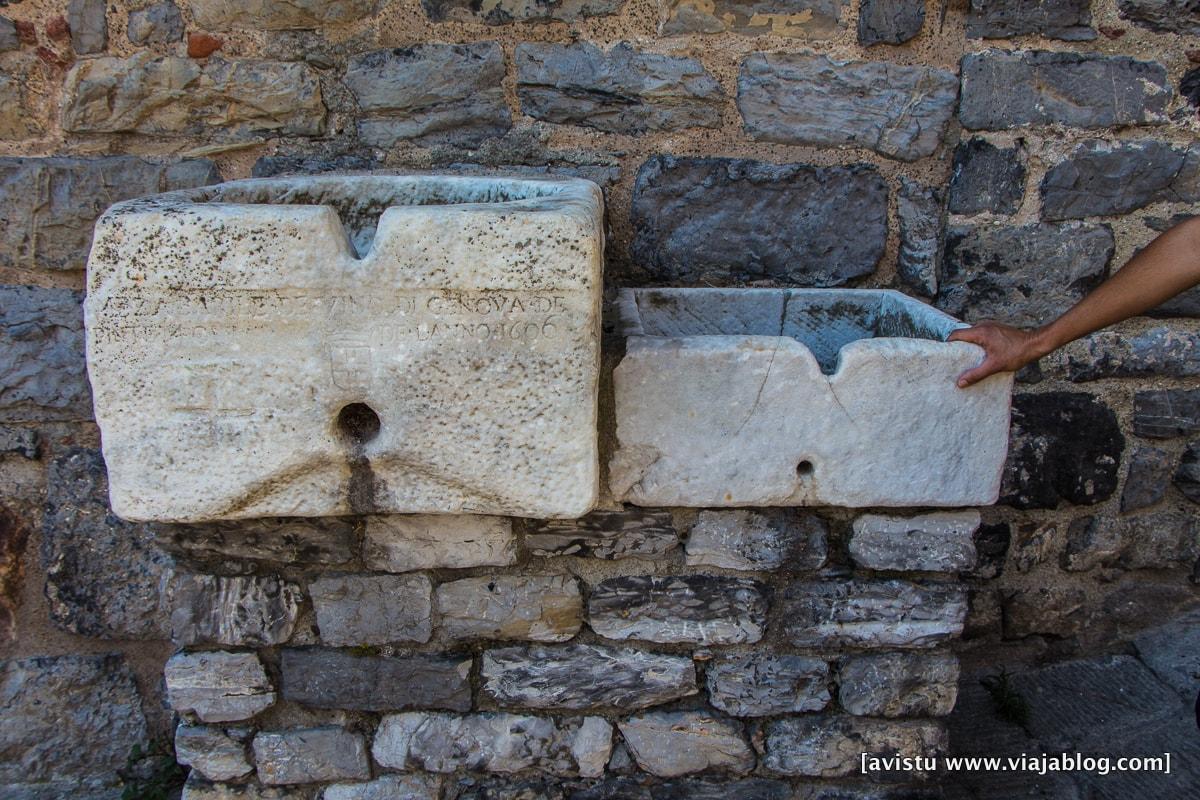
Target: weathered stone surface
point(213, 752)
point(430, 93)
point(584, 676)
point(706, 393)
point(388, 787)
point(506, 11)
point(42, 371)
point(1162, 539)
point(328, 415)
point(355, 610)
point(802, 19)
point(699, 609)
point(1070, 20)
point(871, 613)
point(999, 271)
point(1147, 478)
point(494, 742)
point(1154, 352)
point(48, 205)
point(1100, 178)
point(339, 679)
point(899, 684)
point(89, 29)
point(1011, 89)
point(621, 90)
point(1166, 413)
point(1169, 16)
point(896, 110)
point(308, 755)
point(940, 542)
point(160, 23)
point(1054, 610)
point(720, 220)
point(829, 746)
point(14, 535)
point(197, 788)
point(673, 743)
point(16, 119)
point(540, 608)
point(403, 543)
point(176, 96)
point(242, 610)
point(289, 540)
point(278, 15)
point(218, 686)
point(104, 577)
point(919, 212)
point(611, 535)
point(758, 540)
point(1172, 651)
point(271, 166)
point(1065, 446)
point(763, 684)
point(986, 178)
point(1091, 542)
point(8, 35)
point(67, 724)
point(1187, 477)
point(889, 21)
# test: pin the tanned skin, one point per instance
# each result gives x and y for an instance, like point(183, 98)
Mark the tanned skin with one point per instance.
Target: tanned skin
point(1167, 266)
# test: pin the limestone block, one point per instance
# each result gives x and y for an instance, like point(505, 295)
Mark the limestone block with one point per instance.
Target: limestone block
point(402, 543)
point(349, 344)
point(218, 686)
point(707, 393)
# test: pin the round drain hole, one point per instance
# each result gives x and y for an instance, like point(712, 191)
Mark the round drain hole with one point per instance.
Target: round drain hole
point(358, 422)
point(805, 469)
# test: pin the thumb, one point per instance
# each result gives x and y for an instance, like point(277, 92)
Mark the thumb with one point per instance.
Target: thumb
point(976, 374)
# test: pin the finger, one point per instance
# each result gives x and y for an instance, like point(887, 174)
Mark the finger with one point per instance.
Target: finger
point(976, 374)
point(972, 335)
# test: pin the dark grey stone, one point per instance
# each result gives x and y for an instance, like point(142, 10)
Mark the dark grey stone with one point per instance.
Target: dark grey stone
point(1172, 652)
point(356, 610)
point(1070, 20)
point(1168, 16)
point(506, 11)
point(622, 90)
point(1091, 542)
point(309, 755)
point(89, 29)
point(19, 441)
point(48, 205)
point(8, 35)
point(1162, 539)
point(1187, 477)
point(889, 21)
point(1162, 352)
point(43, 375)
point(830, 746)
point(340, 679)
point(1189, 87)
point(1002, 89)
point(160, 23)
point(243, 610)
point(722, 221)
point(289, 540)
point(1166, 413)
point(896, 110)
point(270, 166)
point(430, 93)
point(1101, 178)
point(769, 539)
point(701, 789)
point(584, 676)
point(700, 609)
point(1000, 271)
point(1064, 446)
point(871, 613)
point(764, 684)
point(919, 209)
point(103, 575)
point(899, 684)
point(986, 178)
point(1148, 477)
point(67, 724)
point(629, 533)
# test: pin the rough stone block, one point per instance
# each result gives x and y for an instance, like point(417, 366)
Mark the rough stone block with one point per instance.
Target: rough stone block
point(799, 19)
point(889, 21)
point(217, 754)
point(502, 12)
point(540, 608)
point(42, 370)
point(349, 383)
point(1164, 539)
point(758, 540)
point(1070, 20)
point(160, 23)
point(494, 742)
point(1166, 413)
point(1011, 89)
point(218, 686)
point(1167, 16)
point(1102, 178)
point(9, 40)
point(622, 90)
point(673, 743)
point(697, 609)
point(706, 396)
point(430, 94)
point(196, 788)
point(308, 755)
point(986, 178)
point(340, 679)
point(24, 442)
point(765, 684)
point(243, 610)
point(896, 110)
point(289, 540)
point(177, 96)
point(899, 684)
point(828, 746)
point(919, 210)
point(89, 28)
point(611, 535)
point(278, 15)
point(1187, 477)
point(388, 787)
point(941, 542)
point(17, 119)
point(403, 543)
point(14, 537)
point(871, 613)
point(355, 610)
point(1163, 351)
point(719, 221)
point(585, 676)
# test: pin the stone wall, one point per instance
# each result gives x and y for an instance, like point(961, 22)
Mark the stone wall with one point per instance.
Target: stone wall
point(997, 159)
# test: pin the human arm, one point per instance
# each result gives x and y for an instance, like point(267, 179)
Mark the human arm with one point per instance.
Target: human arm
point(1167, 266)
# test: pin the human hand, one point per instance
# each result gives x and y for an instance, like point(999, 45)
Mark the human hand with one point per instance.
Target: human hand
point(1006, 349)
